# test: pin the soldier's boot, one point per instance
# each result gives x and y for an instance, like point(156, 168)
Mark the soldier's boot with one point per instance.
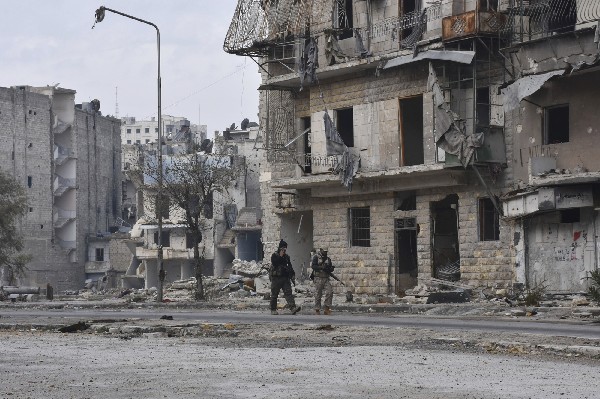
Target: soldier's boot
point(327, 311)
point(274, 312)
point(317, 311)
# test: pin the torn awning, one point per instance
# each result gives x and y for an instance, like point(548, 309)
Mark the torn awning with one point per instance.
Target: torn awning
point(463, 57)
point(524, 87)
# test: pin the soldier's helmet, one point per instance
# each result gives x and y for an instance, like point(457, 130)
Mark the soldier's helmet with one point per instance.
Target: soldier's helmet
point(323, 251)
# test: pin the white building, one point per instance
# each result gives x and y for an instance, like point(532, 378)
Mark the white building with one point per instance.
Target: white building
point(174, 128)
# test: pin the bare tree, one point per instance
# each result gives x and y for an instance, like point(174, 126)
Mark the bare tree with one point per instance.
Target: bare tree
point(189, 184)
point(13, 205)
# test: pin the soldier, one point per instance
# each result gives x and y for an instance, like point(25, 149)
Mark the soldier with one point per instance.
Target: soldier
point(282, 275)
point(322, 267)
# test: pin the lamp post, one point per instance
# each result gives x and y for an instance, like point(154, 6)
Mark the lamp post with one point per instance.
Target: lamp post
point(100, 13)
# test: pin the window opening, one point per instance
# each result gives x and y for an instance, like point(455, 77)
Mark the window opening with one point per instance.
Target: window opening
point(489, 221)
point(343, 18)
point(483, 106)
point(345, 125)
point(190, 240)
point(99, 254)
point(304, 125)
point(570, 215)
point(165, 238)
point(411, 131)
point(147, 130)
point(406, 201)
point(556, 124)
point(360, 227)
point(29, 181)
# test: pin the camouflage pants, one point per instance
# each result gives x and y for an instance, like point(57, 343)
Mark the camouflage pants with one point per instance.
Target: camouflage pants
point(323, 284)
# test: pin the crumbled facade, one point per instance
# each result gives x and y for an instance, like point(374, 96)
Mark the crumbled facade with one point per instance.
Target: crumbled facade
point(387, 138)
point(67, 157)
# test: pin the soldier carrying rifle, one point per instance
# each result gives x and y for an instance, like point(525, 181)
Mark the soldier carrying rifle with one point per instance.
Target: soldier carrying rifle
point(322, 270)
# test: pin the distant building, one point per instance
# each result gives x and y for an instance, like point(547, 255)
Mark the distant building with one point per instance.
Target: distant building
point(67, 157)
point(175, 128)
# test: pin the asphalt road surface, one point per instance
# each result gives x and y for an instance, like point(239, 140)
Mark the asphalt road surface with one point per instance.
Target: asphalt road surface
point(523, 326)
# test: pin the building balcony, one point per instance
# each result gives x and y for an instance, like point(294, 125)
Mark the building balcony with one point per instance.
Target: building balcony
point(62, 217)
point(527, 20)
point(472, 23)
point(62, 184)
point(399, 179)
point(61, 154)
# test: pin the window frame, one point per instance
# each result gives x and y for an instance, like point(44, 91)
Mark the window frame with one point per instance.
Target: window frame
point(359, 235)
point(485, 209)
point(547, 125)
point(165, 238)
point(99, 255)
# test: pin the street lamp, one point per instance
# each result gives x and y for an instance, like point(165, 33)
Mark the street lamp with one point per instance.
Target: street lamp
point(100, 13)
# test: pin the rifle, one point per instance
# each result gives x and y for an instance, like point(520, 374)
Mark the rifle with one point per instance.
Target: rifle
point(333, 276)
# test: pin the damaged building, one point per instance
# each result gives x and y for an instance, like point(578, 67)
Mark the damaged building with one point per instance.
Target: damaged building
point(67, 157)
point(410, 137)
point(230, 220)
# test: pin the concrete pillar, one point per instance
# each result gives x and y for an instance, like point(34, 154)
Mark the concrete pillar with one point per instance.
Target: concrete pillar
point(151, 273)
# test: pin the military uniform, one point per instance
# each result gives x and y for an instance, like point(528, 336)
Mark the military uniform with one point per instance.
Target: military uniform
point(321, 266)
point(282, 274)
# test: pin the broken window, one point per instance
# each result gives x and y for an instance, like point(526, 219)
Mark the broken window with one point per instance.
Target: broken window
point(345, 125)
point(570, 215)
point(343, 18)
point(165, 238)
point(411, 131)
point(406, 201)
point(99, 254)
point(360, 227)
point(483, 106)
point(556, 124)
point(489, 221)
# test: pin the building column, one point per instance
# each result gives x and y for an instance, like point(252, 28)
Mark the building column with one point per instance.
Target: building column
point(151, 273)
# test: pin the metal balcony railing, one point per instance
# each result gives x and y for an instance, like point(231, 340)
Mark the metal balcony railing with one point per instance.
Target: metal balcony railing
point(392, 26)
point(535, 19)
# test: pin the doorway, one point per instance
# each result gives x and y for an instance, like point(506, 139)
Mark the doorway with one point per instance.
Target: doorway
point(444, 239)
point(406, 254)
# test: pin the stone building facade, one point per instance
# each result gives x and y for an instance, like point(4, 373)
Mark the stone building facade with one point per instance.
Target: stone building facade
point(68, 159)
point(409, 184)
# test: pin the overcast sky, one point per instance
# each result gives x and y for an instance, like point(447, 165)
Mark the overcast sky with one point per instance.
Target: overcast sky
point(45, 42)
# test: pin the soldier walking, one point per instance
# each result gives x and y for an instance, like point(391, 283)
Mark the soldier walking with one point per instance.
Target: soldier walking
point(322, 269)
point(282, 275)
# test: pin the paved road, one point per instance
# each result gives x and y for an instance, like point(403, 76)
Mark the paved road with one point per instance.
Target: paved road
point(586, 330)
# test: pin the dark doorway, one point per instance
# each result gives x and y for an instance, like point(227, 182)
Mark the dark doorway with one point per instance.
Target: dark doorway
point(345, 125)
point(411, 131)
point(408, 7)
point(444, 239)
point(406, 254)
point(305, 125)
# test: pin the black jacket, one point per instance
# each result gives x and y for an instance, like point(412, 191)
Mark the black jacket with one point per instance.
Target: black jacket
point(281, 266)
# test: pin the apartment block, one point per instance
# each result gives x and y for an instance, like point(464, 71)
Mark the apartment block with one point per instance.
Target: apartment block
point(67, 157)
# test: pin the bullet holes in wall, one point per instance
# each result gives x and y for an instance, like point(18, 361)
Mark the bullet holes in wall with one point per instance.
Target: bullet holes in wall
point(30, 209)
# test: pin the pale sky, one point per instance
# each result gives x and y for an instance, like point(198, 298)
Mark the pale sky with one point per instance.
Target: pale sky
point(45, 42)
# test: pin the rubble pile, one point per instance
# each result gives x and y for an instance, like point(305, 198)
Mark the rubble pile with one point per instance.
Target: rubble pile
point(249, 268)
